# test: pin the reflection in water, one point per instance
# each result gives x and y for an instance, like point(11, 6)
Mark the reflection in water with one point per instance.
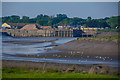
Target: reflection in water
point(31, 48)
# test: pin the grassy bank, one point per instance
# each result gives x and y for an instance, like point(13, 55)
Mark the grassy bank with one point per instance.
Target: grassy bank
point(108, 37)
point(30, 73)
point(102, 37)
point(108, 30)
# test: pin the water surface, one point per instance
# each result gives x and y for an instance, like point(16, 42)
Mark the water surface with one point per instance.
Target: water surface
point(10, 49)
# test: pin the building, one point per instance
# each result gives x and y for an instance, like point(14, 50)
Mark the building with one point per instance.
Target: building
point(6, 26)
point(64, 26)
point(21, 25)
point(29, 27)
point(45, 27)
point(60, 27)
point(17, 25)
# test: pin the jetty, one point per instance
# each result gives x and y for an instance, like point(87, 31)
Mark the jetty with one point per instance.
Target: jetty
point(48, 33)
point(35, 30)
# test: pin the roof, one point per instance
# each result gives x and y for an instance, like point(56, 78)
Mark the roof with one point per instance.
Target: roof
point(21, 24)
point(30, 27)
point(5, 25)
point(46, 27)
point(29, 24)
point(17, 24)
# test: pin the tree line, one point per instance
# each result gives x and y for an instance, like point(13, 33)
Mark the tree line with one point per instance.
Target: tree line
point(59, 19)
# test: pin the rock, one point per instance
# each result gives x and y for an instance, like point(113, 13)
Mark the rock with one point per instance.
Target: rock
point(115, 40)
point(84, 72)
point(69, 70)
point(99, 69)
point(92, 70)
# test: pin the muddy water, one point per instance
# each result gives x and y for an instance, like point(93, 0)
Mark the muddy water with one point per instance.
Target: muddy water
point(9, 50)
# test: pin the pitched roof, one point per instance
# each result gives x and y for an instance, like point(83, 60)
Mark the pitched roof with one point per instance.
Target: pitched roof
point(30, 27)
point(6, 25)
point(45, 27)
point(17, 24)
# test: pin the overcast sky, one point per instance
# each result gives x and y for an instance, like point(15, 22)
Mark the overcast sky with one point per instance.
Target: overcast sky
point(72, 9)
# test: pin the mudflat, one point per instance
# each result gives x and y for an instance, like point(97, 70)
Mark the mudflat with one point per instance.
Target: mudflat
point(91, 46)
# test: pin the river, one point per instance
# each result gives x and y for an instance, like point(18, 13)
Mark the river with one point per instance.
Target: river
point(9, 50)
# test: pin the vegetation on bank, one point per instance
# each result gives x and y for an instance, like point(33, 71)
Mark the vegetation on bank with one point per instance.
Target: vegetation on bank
point(109, 30)
point(32, 73)
point(107, 37)
point(102, 37)
point(63, 19)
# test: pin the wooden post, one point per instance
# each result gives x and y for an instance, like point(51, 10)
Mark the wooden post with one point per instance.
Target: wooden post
point(49, 33)
point(70, 33)
point(61, 33)
point(83, 29)
point(45, 33)
point(54, 33)
point(44, 67)
point(64, 33)
point(67, 33)
point(58, 33)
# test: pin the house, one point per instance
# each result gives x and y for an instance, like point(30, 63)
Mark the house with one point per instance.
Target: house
point(60, 27)
point(29, 27)
point(45, 27)
point(17, 25)
point(64, 26)
point(21, 25)
point(6, 26)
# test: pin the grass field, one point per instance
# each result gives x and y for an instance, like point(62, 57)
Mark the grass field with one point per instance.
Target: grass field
point(30, 73)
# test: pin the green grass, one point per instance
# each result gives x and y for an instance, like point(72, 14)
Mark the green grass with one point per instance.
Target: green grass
point(30, 73)
point(108, 30)
point(108, 37)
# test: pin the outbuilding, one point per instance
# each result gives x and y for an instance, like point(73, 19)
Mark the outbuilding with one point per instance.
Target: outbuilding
point(6, 26)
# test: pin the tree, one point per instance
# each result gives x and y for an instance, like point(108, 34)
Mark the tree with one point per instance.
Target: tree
point(54, 21)
point(89, 19)
point(33, 20)
point(25, 19)
point(113, 22)
point(14, 18)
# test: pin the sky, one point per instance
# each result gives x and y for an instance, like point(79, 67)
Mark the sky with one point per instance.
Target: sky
point(71, 9)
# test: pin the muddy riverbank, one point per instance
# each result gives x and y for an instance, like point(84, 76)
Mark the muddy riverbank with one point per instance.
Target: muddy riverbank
point(89, 48)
